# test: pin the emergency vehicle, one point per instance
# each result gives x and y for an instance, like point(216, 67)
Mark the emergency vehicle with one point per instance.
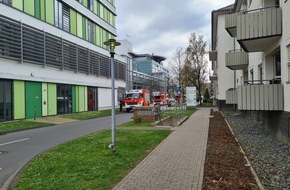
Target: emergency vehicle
point(160, 98)
point(179, 98)
point(176, 97)
point(136, 98)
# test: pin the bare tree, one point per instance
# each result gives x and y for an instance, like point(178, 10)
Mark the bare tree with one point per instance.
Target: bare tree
point(196, 66)
point(176, 66)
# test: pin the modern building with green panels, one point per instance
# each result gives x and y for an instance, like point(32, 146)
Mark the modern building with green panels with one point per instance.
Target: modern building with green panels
point(52, 57)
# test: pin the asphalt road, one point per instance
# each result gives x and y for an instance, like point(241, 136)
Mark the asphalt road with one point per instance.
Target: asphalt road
point(18, 148)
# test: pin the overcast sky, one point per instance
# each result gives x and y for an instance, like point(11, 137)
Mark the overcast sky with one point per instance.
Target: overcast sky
point(160, 26)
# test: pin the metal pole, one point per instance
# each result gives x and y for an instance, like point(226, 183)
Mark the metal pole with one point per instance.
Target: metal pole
point(113, 104)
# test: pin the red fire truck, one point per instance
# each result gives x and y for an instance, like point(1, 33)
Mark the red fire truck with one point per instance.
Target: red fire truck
point(136, 98)
point(160, 98)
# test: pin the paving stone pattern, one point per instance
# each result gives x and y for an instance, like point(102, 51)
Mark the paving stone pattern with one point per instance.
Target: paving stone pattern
point(177, 163)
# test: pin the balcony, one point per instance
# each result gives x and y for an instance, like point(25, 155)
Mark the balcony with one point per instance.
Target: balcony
point(212, 55)
point(213, 77)
point(237, 60)
point(257, 29)
point(266, 97)
point(232, 96)
point(231, 23)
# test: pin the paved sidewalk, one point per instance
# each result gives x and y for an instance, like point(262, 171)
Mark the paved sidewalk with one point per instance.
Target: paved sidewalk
point(177, 163)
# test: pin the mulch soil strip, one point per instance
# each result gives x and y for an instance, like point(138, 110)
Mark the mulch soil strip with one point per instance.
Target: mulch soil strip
point(225, 165)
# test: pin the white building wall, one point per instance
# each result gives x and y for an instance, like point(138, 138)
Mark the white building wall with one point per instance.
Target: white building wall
point(285, 41)
point(104, 98)
point(255, 59)
point(225, 43)
point(14, 70)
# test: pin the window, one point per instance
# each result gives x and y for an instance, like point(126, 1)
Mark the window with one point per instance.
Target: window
point(260, 70)
point(277, 60)
point(6, 1)
point(252, 76)
point(91, 5)
point(91, 32)
point(66, 17)
point(58, 14)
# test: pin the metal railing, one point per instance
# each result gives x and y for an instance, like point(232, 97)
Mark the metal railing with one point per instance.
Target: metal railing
point(177, 111)
point(261, 82)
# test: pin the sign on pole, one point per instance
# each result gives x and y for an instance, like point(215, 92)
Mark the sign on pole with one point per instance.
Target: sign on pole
point(191, 96)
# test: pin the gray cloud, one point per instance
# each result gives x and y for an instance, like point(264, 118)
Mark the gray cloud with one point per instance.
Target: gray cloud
point(160, 26)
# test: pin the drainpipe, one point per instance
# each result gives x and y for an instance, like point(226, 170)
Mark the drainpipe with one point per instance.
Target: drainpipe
point(234, 105)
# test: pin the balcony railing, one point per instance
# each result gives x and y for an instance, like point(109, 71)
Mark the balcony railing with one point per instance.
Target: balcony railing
point(213, 77)
point(267, 97)
point(232, 96)
point(237, 60)
point(256, 29)
point(231, 23)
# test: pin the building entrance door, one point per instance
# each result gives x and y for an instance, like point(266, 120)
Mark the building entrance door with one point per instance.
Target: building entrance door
point(33, 100)
point(5, 100)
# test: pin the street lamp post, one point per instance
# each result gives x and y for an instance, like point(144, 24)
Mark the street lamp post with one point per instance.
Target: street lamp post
point(112, 43)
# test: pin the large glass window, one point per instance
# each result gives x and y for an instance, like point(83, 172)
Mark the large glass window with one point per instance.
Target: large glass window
point(5, 100)
point(92, 98)
point(64, 98)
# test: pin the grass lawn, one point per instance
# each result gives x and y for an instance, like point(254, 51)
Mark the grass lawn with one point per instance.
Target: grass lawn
point(88, 163)
point(207, 104)
point(20, 125)
point(134, 124)
point(163, 115)
point(89, 114)
point(173, 113)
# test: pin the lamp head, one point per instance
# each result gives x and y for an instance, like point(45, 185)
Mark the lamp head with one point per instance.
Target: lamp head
point(112, 43)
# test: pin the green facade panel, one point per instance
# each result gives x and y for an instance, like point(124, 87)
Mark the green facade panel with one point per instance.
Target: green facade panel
point(29, 7)
point(81, 99)
point(79, 25)
point(51, 99)
point(77, 99)
point(44, 99)
point(19, 99)
point(49, 11)
point(18, 4)
point(85, 3)
point(42, 10)
point(33, 99)
point(73, 22)
point(37, 9)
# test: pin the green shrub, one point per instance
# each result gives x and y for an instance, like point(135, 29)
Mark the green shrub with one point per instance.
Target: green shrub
point(137, 119)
